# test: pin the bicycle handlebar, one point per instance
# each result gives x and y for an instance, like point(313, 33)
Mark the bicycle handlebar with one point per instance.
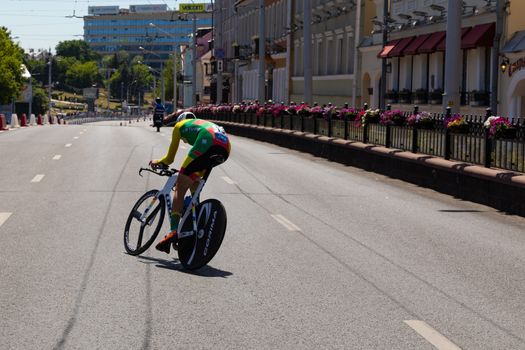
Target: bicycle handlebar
point(161, 172)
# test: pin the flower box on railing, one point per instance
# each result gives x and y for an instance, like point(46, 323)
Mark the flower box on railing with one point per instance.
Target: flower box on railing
point(404, 96)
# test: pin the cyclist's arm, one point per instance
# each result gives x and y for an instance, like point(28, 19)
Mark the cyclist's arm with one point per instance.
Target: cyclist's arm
point(170, 156)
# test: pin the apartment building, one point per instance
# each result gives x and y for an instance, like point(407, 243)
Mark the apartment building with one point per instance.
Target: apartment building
point(149, 30)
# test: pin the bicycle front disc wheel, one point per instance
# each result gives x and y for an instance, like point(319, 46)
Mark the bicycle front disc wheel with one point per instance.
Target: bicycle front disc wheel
point(144, 223)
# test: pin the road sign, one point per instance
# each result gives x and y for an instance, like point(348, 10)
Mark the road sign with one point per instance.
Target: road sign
point(192, 8)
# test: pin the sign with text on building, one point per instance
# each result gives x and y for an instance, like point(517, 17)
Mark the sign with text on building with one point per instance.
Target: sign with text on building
point(193, 8)
point(148, 8)
point(103, 10)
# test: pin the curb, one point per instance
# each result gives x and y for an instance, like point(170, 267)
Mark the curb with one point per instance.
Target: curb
point(501, 189)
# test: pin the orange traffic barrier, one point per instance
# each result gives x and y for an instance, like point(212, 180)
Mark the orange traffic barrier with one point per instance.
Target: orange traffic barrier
point(39, 119)
point(23, 120)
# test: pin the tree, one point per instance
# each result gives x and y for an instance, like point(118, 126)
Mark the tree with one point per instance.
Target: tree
point(40, 102)
point(11, 60)
point(168, 77)
point(78, 49)
point(82, 75)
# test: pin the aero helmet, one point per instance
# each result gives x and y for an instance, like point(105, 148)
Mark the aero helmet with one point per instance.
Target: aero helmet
point(186, 115)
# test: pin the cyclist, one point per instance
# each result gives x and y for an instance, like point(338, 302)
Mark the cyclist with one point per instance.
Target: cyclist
point(207, 140)
point(158, 114)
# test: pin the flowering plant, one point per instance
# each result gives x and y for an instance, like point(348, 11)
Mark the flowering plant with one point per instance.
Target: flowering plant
point(370, 116)
point(499, 127)
point(393, 117)
point(421, 120)
point(348, 113)
point(292, 110)
point(261, 111)
point(251, 108)
point(329, 111)
point(456, 123)
point(316, 112)
point(224, 109)
point(236, 109)
point(303, 110)
point(277, 110)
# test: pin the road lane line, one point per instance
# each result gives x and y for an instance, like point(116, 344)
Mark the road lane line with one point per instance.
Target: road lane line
point(290, 226)
point(38, 178)
point(57, 157)
point(68, 145)
point(4, 217)
point(76, 137)
point(431, 335)
point(228, 180)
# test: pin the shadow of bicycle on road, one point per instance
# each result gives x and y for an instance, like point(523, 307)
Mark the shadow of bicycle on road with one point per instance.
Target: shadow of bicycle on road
point(174, 264)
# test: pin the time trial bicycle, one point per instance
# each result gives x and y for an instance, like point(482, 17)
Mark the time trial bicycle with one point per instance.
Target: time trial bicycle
point(202, 224)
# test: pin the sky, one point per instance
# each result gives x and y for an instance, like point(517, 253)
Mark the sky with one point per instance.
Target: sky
point(42, 24)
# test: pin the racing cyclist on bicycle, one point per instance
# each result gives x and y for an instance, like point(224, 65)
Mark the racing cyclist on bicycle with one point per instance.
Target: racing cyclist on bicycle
point(207, 140)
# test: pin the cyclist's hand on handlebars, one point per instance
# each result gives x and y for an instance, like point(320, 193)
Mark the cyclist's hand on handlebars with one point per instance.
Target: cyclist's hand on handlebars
point(155, 165)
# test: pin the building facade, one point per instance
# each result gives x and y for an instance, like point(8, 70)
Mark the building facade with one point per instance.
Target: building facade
point(151, 31)
point(415, 54)
point(512, 81)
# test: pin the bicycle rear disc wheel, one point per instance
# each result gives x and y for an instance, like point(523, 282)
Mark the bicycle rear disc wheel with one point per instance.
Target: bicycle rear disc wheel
point(198, 249)
point(138, 236)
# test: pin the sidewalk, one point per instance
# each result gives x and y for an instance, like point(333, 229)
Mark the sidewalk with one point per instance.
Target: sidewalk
point(500, 189)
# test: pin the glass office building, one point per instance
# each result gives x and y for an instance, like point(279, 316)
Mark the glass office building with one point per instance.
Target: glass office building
point(109, 29)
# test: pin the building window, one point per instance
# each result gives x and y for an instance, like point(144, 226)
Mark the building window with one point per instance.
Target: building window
point(340, 55)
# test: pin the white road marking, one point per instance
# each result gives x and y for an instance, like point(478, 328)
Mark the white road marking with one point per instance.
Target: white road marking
point(183, 147)
point(76, 137)
point(285, 222)
point(431, 335)
point(57, 157)
point(81, 132)
point(164, 134)
point(38, 178)
point(228, 180)
point(68, 145)
point(4, 217)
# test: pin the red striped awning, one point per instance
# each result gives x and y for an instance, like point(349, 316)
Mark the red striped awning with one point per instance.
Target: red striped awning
point(386, 50)
point(414, 46)
point(443, 44)
point(431, 43)
point(400, 47)
point(480, 35)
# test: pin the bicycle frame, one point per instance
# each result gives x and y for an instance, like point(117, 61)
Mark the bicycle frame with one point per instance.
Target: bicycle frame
point(165, 192)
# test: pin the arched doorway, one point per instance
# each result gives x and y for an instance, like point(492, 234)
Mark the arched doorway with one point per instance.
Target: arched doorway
point(365, 89)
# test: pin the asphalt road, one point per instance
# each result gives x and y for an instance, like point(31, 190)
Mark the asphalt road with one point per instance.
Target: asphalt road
point(317, 255)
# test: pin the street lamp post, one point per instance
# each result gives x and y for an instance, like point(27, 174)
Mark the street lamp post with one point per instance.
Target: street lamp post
point(174, 64)
point(194, 63)
point(262, 51)
point(49, 84)
point(307, 52)
point(162, 91)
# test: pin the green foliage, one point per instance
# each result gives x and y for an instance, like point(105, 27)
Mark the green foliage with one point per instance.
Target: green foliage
point(11, 60)
point(40, 103)
point(168, 77)
point(82, 75)
point(78, 49)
